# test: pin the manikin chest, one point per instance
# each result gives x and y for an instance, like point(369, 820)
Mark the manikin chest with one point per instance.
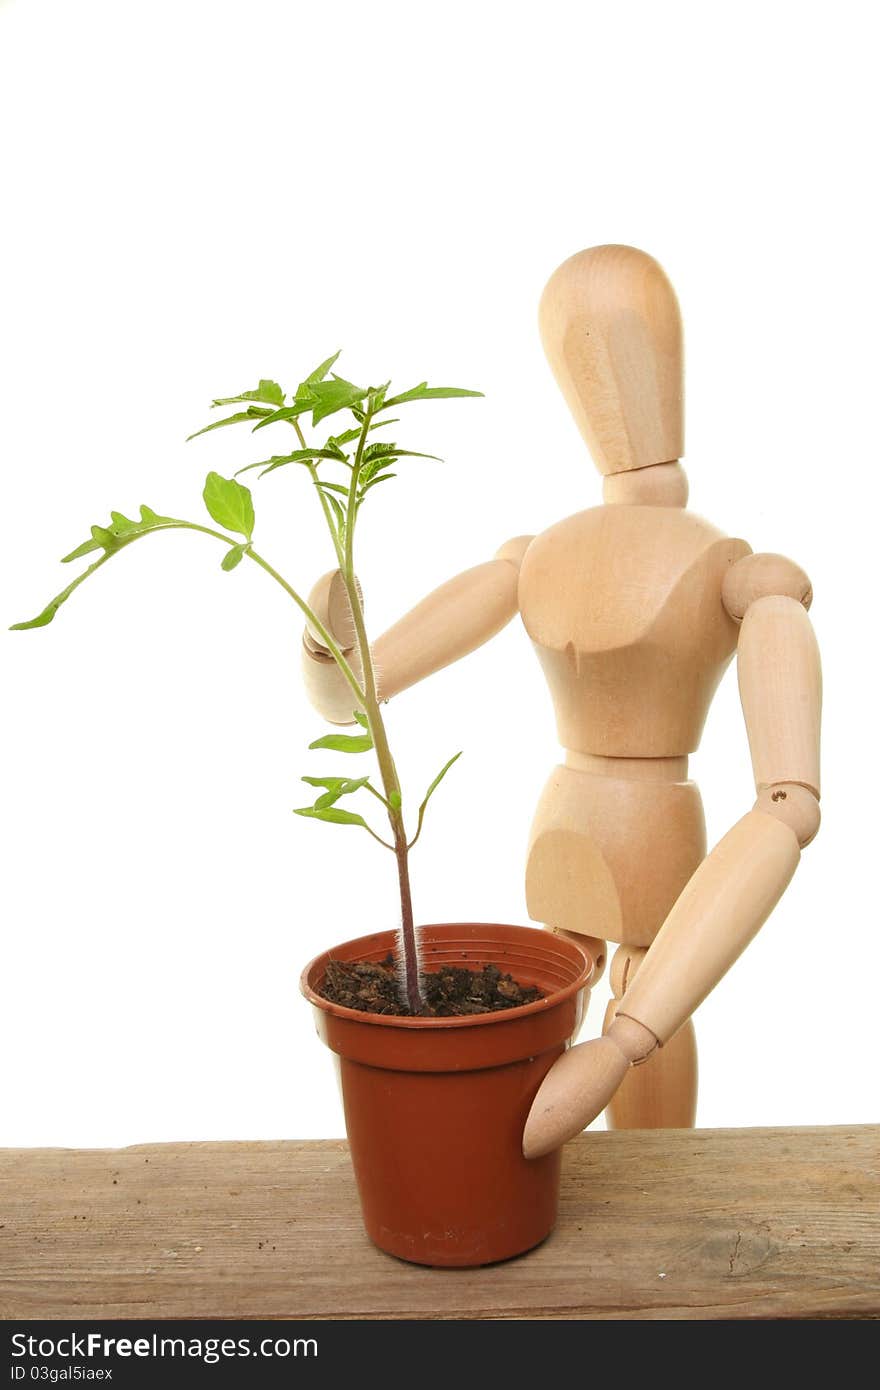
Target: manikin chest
point(623, 604)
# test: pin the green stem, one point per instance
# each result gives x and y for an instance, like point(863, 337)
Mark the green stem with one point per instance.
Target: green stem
point(376, 724)
point(379, 797)
point(325, 506)
point(328, 641)
point(328, 515)
point(312, 617)
point(314, 621)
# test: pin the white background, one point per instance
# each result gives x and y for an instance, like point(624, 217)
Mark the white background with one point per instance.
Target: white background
point(197, 194)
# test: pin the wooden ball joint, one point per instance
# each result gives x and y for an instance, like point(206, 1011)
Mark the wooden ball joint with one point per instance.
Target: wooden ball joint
point(635, 608)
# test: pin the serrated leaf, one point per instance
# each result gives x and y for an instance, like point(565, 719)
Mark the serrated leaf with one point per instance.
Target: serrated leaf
point(85, 549)
point(377, 398)
point(320, 372)
point(379, 456)
point(344, 743)
point(349, 436)
point(333, 504)
point(334, 814)
point(230, 504)
point(232, 557)
point(253, 412)
point(377, 450)
point(392, 452)
point(297, 456)
point(268, 391)
point(121, 524)
point(374, 482)
point(333, 395)
point(120, 531)
point(424, 392)
point(276, 461)
point(287, 412)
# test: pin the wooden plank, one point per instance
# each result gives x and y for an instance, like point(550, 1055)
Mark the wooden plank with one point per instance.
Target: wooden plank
point(657, 1224)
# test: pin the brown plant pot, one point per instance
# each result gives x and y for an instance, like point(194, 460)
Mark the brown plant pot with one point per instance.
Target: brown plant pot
point(435, 1107)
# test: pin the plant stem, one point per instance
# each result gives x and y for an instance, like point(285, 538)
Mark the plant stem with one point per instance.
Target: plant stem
point(376, 724)
point(326, 637)
point(313, 473)
point(411, 970)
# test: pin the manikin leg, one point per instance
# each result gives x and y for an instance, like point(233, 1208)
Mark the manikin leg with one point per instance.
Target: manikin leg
point(729, 897)
point(662, 1092)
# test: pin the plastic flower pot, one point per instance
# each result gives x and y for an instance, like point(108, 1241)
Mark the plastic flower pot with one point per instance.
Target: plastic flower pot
point(435, 1107)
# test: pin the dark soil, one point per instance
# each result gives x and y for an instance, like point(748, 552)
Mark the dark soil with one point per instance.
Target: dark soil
point(374, 988)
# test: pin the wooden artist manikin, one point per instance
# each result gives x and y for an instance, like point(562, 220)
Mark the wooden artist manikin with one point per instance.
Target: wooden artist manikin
point(635, 609)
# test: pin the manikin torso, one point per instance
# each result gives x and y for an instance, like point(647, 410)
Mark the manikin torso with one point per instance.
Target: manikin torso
point(632, 657)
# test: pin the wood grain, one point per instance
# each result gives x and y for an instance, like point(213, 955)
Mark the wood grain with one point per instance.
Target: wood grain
point(754, 1223)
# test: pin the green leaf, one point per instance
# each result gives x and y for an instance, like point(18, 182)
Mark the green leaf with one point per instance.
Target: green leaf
point(334, 814)
point(232, 557)
point(298, 456)
point(111, 539)
point(336, 509)
point(377, 398)
point(391, 451)
point(268, 391)
point(253, 412)
point(85, 549)
point(344, 743)
point(287, 412)
point(230, 504)
point(48, 613)
point(374, 482)
point(346, 789)
point(361, 718)
point(320, 372)
point(120, 531)
point(383, 455)
point(335, 394)
point(429, 793)
point(424, 392)
point(349, 436)
point(438, 779)
point(328, 783)
point(395, 800)
point(274, 462)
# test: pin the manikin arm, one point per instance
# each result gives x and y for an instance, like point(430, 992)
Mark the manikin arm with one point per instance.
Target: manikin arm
point(451, 622)
point(735, 888)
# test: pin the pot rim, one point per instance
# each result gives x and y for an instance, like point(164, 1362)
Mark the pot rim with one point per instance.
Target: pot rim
point(466, 1021)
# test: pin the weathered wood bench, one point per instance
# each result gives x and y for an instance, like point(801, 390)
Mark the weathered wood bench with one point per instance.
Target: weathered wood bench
point(752, 1223)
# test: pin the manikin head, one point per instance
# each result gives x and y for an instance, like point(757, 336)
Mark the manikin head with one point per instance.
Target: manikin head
point(611, 329)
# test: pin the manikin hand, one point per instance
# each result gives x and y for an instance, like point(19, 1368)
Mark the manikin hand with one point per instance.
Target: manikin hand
point(325, 684)
point(580, 1085)
point(329, 601)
